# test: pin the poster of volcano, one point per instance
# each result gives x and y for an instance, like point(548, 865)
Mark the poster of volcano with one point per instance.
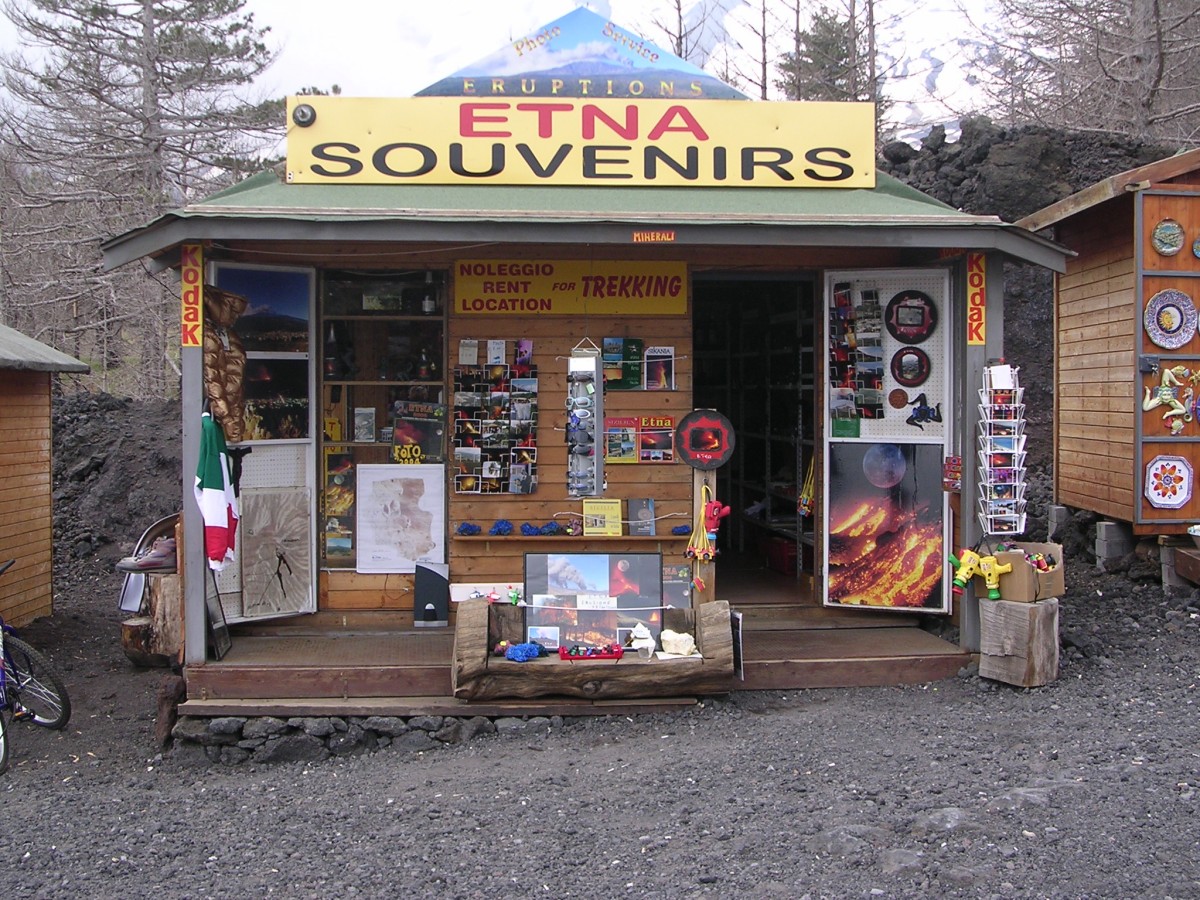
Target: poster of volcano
point(582, 54)
point(886, 527)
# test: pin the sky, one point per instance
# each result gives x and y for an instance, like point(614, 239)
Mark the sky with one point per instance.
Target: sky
point(380, 48)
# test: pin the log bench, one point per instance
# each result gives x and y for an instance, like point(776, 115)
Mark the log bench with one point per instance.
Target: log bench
point(478, 675)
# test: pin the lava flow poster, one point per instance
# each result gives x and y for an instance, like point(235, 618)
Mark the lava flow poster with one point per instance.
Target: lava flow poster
point(886, 527)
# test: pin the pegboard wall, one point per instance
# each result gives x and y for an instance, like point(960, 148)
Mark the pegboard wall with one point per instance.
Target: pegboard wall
point(889, 355)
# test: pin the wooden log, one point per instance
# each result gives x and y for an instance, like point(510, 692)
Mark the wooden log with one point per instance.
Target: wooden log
point(137, 640)
point(165, 608)
point(478, 676)
point(1018, 642)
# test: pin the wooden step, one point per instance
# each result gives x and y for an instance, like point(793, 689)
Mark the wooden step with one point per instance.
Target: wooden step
point(339, 665)
point(847, 657)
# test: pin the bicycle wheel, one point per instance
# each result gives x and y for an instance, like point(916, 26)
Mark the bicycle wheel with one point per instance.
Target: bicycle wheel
point(34, 686)
point(3, 740)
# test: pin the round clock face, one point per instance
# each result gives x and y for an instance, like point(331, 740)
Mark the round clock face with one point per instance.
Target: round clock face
point(910, 317)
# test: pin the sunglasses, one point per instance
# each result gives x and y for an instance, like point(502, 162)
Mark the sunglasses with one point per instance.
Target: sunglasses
point(579, 402)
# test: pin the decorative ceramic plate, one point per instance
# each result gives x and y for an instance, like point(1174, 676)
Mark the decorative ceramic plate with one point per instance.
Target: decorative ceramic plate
point(1168, 482)
point(910, 366)
point(1196, 248)
point(1167, 237)
point(910, 317)
point(1170, 319)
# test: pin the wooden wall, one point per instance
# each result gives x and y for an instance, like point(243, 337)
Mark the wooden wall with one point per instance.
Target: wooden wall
point(1095, 360)
point(25, 489)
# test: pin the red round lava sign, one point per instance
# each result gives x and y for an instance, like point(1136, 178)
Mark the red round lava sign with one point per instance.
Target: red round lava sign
point(704, 439)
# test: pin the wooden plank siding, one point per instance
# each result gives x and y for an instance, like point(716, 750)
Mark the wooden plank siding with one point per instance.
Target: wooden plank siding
point(1095, 354)
point(25, 500)
point(500, 561)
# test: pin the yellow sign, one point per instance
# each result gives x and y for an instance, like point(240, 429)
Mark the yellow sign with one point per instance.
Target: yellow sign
point(976, 299)
point(191, 296)
point(569, 287)
point(580, 141)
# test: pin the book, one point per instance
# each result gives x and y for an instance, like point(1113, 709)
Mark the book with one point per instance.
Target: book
point(364, 424)
point(641, 515)
point(656, 439)
point(620, 439)
point(621, 363)
point(659, 369)
point(602, 518)
point(418, 432)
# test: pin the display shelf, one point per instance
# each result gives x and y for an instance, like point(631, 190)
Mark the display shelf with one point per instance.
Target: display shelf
point(382, 344)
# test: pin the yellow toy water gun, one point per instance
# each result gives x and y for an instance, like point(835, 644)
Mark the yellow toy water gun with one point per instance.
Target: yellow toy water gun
point(965, 568)
point(991, 570)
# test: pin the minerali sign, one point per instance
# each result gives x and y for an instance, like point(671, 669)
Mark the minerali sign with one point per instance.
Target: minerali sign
point(514, 140)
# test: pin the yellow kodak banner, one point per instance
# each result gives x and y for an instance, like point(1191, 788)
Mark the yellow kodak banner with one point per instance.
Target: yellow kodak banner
point(976, 299)
point(580, 141)
point(191, 296)
point(569, 287)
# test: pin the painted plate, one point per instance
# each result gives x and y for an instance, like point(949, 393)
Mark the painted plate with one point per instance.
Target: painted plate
point(1170, 319)
point(1168, 482)
point(1167, 237)
point(910, 366)
point(910, 317)
point(1196, 248)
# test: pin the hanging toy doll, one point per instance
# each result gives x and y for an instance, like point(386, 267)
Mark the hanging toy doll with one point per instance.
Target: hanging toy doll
point(714, 512)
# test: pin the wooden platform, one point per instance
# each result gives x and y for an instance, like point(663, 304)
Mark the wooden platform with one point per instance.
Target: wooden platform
point(340, 666)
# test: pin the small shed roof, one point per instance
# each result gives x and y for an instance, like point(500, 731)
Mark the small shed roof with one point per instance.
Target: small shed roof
point(1132, 180)
point(265, 208)
point(19, 351)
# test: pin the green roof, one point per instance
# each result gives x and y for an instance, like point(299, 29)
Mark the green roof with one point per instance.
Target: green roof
point(264, 207)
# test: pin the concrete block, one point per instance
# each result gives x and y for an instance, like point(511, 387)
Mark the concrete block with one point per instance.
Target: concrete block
point(1059, 516)
point(1114, 531)
point(1171, 578)
point(1113, 549)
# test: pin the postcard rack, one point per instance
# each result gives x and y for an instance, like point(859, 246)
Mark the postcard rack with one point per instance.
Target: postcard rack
point(1001, 451)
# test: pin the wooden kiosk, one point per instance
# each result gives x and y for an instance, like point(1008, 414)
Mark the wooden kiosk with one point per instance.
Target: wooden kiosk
point(431, 291)
point(1126, 430)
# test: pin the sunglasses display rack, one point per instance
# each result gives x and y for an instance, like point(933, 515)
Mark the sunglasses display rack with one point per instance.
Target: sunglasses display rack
point(584, 409)
point(1001, 451)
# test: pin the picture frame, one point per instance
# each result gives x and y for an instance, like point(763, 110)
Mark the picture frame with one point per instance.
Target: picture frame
point(592, 599)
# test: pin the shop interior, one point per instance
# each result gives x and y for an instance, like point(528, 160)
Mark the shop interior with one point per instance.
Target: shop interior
point(755, 362)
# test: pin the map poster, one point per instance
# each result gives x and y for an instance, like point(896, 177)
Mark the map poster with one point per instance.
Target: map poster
point(401, 517)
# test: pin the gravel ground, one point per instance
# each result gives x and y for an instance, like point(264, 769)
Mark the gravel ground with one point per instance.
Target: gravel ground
point(961, 788)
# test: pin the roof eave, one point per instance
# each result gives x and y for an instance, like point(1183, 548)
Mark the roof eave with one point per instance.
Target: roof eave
point(957, 231)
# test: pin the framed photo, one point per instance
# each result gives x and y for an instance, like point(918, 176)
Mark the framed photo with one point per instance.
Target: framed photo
point(276, 391)
point(593, 599)
point(401, 517)
point(278, 301)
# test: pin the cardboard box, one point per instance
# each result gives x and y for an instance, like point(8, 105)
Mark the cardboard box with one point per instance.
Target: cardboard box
point(1025, 584)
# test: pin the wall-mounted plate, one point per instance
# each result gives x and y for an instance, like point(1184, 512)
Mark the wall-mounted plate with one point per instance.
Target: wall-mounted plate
point(1167, 237)
point(1168, 482)
point(1170, 319)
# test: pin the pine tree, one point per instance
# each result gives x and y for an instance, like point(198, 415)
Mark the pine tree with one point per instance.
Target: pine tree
point(118, 111)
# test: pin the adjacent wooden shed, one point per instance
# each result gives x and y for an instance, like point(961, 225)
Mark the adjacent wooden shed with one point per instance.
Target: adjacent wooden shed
point(1127, 359)
point(25, 473)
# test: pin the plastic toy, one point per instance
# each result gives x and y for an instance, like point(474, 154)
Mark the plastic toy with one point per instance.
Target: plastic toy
point(514, 595)
point(714, 512)
point(991, 569)
point(966, 567)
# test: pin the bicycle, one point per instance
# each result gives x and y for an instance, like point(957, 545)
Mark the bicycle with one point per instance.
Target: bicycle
point(31, 690)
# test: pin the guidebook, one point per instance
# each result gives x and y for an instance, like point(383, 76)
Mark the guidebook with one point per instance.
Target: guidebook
point(659, 369)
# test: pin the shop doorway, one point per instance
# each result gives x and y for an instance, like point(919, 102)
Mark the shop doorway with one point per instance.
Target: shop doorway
point(755, 362)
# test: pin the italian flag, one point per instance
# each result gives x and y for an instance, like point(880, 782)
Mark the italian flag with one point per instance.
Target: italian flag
point(214, 495)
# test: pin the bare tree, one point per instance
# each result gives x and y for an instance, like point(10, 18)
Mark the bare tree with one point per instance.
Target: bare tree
point(119, 110)
point(1130, 66)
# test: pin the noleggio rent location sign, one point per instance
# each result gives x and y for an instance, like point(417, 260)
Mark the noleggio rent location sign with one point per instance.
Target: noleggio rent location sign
point(580, 141)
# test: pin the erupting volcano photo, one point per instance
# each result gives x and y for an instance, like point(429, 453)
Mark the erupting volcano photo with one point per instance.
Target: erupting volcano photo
point(886, 526)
